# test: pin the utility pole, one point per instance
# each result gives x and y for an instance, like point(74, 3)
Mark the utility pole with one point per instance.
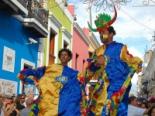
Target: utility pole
point(154, 36)
point(90, 13)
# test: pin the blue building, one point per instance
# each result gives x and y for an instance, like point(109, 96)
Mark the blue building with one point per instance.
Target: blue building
point(21, 29)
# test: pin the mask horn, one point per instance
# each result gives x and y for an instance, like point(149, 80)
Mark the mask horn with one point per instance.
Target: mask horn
point(113, 19)
point(91, 28)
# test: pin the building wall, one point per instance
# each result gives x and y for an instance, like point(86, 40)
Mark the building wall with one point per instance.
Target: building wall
point(61, 16)
point(151, 76)
point(81, 48)
point(13, 35)
point(94, 44)
point(148, 79)
point(59, 13)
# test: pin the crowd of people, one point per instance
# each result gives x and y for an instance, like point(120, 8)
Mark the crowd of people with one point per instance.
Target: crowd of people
point(20, 105)
point(141, 106)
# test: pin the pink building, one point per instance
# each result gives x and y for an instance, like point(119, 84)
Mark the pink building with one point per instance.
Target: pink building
point(93, 42)
point(80, 46)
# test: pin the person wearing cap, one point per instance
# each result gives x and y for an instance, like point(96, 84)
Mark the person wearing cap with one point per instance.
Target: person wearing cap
point(113, 67)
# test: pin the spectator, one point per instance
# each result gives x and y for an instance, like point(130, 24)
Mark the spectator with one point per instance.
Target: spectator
point(133, 109)
point(26, 111)
point(1, 103)
point(20, 102)
point(151, 111)
point(151, 101)
point(9, 107)
point(142, 103)
point(133, 100)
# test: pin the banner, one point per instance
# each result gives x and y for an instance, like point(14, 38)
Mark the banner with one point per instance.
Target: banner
point(8, 87)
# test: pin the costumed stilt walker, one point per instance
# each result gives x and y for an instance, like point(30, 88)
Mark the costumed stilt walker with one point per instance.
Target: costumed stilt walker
point(59, 89)
point(107, 80)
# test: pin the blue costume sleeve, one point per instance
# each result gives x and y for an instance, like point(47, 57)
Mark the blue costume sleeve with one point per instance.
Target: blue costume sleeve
point(37, 73)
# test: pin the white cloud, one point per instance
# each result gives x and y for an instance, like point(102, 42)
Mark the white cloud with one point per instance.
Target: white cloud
point(82, 14)
point(136, 22)
point(134, 79)
point(134, 84)
point(135, 52)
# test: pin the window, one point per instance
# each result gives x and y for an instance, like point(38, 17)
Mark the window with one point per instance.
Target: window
point(90, 54)
point(65, 45)
point(25, 64)
point(51, 48)
point(28, 88)
point(83, 65)
point(8, 59)
point(76, 60)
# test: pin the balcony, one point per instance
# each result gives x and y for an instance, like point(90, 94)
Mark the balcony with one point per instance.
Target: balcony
point(15, 6)
point(37, 19)
point(30, 12)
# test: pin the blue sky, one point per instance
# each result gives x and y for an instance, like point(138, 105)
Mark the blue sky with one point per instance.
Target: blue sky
point(134, 26)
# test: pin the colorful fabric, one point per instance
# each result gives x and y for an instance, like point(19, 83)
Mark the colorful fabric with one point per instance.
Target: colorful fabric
point(112, 97)
point(60, 92)
point(93, 100)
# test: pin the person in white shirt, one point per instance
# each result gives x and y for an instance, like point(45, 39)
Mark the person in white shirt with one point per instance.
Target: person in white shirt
point(133, 109)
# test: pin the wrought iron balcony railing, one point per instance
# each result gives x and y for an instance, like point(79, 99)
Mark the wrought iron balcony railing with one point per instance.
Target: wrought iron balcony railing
point(15, 6)
point(37, 11)
point(23, 2)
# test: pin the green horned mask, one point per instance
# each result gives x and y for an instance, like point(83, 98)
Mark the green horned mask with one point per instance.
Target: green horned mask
point(103, 22)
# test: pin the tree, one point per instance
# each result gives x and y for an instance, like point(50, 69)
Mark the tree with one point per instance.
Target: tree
point(106, 4)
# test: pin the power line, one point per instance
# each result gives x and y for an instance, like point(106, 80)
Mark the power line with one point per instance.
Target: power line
point(135, 20)
point(146, 3)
